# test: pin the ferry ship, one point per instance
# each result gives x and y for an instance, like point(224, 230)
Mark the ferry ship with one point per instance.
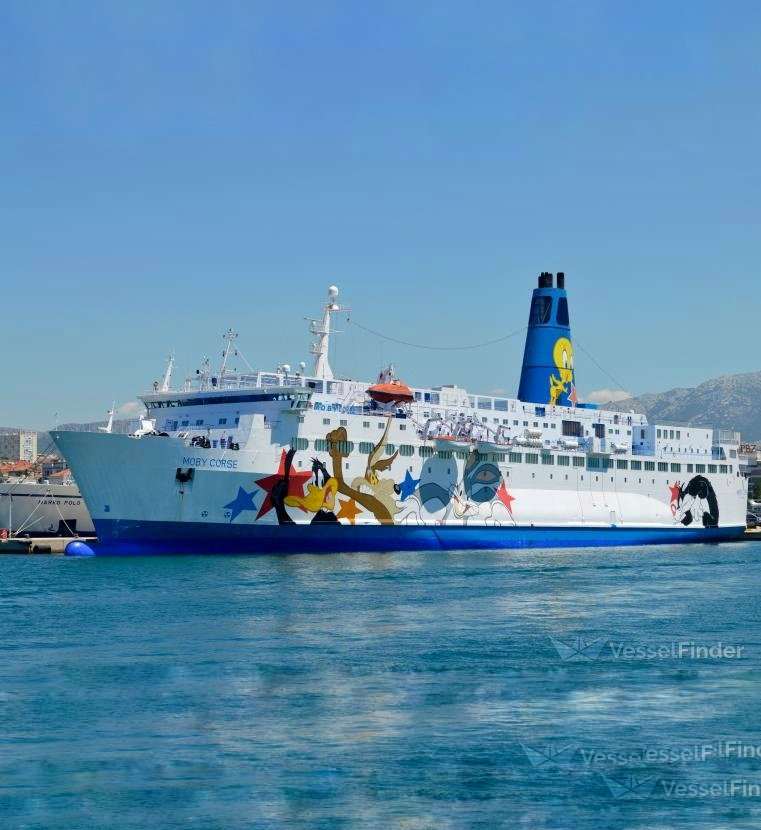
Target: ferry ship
point(293, 461)
point(39, 508)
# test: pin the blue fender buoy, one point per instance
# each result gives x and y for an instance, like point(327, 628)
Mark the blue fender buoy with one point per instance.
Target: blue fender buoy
point(78, 549)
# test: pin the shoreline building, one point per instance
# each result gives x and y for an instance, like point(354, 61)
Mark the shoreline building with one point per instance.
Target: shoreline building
point(19, 446)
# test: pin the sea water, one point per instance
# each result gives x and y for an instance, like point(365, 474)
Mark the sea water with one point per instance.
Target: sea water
point(538, 689)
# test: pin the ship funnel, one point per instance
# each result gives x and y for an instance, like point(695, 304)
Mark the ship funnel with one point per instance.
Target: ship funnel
point(547, 375)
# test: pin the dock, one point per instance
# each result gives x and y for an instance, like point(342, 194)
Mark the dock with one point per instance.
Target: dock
point(54, 545)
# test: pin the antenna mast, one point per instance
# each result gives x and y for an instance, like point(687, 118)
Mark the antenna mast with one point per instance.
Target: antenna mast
point(321, 328)
point(165, 383)
point(230, 337)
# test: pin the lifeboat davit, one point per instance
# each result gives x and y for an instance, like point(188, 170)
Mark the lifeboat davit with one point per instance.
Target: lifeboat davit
point(392, 391)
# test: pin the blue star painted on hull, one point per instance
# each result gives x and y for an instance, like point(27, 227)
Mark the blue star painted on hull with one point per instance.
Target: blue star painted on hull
point(408, 486)
point(243, 501)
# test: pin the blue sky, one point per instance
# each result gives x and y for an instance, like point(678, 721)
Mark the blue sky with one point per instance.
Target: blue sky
point(172, 169)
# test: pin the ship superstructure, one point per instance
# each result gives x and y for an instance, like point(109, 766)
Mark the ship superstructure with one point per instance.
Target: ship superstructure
point(290, 460)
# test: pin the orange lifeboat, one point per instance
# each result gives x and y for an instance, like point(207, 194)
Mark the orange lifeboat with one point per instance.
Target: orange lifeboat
point(393, 391)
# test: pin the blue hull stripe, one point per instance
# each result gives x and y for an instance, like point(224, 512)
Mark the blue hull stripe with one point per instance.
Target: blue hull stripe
point(188, 537)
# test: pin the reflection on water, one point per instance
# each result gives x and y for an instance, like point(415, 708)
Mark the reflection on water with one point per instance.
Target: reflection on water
point(538, 689)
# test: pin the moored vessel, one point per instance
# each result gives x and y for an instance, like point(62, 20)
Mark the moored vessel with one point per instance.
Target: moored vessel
point(39, 509)
point(289, 460)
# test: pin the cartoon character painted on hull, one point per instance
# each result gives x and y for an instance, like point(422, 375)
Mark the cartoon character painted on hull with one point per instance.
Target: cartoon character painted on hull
point(383, 489)
point(480, 495)
point(562, 383)
point(695, 502)
point(320, 498)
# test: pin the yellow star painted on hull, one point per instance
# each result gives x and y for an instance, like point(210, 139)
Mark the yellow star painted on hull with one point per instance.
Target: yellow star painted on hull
point(348, 510)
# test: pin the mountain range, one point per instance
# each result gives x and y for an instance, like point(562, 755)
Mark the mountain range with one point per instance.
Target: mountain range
point(726, 402)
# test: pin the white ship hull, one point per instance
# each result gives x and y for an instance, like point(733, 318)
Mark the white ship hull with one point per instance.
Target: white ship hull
point(139, 503)
point(32, 509)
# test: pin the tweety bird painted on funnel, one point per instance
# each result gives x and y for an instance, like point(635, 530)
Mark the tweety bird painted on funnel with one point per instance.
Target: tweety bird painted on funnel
point(562, 383)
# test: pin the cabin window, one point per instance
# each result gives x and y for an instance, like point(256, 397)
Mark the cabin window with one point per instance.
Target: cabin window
point(186, 423)
point(514, 457)
point(343, 422)
point(406, 449)
point(300, 443)
point(402, 426)
point(599, 430)
point(222, 421)
point(321, 445)
point(366, 424)
point(722, 468)
point(326, 422)
point(650, 465)
point(237, 421)
point(676, 468)
point(564, 461)
point(541, 308)
point(365, 447)
point(689, 468)
point(593, 463)
point(381, 425)
point(578, 461)
point(636, 465)
point(657, 432)
point(563, 318)
point(532, 458)
point(700, 468)
point(547, 458)
point(621, 464)
point(711, 468)
point(199, 422)
point(663, 467)
point(498, 457)
point(425, 452)
point(444, 453)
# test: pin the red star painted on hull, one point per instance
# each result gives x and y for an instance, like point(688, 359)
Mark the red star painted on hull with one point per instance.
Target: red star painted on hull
point(296, 482)
point(505, 497)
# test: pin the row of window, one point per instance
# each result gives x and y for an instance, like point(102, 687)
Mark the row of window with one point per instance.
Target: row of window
point(545, 458)
point(199, 422)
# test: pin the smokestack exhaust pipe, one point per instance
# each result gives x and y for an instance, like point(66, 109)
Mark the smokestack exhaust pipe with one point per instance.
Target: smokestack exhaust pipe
point(547, 375)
